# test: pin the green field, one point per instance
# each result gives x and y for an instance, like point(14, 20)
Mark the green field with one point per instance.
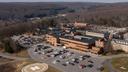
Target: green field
point(105, 69)
point(22, 53)
point(120, 62)
point(51, 69)
point(18, 65)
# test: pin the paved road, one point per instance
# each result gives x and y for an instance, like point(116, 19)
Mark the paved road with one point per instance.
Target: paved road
point(109, 66)
point(9, 56)
point(8, 62)
point(114, 56)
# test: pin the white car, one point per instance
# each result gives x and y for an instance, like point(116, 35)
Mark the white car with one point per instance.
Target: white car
point(54, 62)
point(73, 60)
point(68, 54)
point(43, 53)
point(53, 55)
point(61, 56)
point(64, 47)
point(55, 52)
point(67, 62)
point(81, 59)
point(81, 56)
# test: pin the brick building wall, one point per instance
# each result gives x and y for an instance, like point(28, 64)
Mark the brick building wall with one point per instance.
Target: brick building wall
point(51, 39)
point(75, 44)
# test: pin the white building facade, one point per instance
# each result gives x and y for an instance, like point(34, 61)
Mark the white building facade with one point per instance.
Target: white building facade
point(120, 45)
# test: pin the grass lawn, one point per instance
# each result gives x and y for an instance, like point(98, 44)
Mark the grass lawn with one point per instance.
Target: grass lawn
point(21, 64)
point(22, 53)
point(51, 69)
point(14, 66)
point(120, 62)
point(18, 65)
point(24, 63)
point(105, 69)
point(4, 60)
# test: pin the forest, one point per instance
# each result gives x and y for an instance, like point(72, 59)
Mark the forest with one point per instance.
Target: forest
point(115, 15)
point(24, 11)
point(14, 16)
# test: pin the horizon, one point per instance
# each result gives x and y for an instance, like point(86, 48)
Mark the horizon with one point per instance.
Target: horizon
point(91, 1)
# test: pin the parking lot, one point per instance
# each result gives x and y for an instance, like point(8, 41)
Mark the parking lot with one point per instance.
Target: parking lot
point(66, 60)
point(27, 41)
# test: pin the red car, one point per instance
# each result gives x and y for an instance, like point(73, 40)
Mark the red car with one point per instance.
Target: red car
point(82, 66)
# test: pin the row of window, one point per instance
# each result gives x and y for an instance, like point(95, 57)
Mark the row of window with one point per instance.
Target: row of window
point(121, 42)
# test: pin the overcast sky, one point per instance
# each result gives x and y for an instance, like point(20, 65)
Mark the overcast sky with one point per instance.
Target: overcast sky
point(110, 1)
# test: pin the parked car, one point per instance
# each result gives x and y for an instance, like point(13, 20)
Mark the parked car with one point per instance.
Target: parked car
point(71, 63)
point(81, 56)
point(56, 61)
point(90, 65)
point(88, 56)
point(56, 52)
point(67, 62)
point(39, 53)
point(101, 68)
point(48, 56)
point(73, 59)
point(77, 61)
point(40, 46)
point(69, 53)
point(64, 64)
point(81, 59)
point(90, 61)
point(49, 51)
point(81, 66)
point(35, 50)
point(62, 57)
point(53, 55)
point(46, 47)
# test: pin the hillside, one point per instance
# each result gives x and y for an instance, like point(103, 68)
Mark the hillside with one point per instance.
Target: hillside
point(29, 10)
point(108, 14)
point(14, 16)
